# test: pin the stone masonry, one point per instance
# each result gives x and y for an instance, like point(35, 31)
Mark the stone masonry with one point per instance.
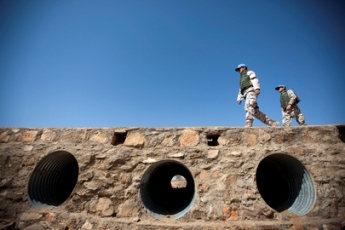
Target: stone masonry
point(120, 178)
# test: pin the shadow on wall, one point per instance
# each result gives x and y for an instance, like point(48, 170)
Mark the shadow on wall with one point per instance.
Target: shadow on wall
point(341, 130)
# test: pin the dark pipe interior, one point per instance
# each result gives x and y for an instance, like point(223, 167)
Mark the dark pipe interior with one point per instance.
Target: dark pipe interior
point(53, 179)
point(157, 193)
point(279, 180)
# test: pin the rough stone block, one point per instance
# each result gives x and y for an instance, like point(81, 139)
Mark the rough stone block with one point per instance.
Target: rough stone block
point(135, 139)
point(189, 138)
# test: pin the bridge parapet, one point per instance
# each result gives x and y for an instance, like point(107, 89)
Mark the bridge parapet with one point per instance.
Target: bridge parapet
point(123, 178)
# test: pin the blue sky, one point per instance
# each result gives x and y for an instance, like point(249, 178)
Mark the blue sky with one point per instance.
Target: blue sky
point(167, 63)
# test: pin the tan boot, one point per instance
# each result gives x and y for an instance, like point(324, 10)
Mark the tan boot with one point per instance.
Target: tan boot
point(273, 123)
point(248, 124)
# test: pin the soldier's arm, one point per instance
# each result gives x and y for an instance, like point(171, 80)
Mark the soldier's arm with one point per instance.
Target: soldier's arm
point(254, 80)
point(239, 97)
point(292, 96)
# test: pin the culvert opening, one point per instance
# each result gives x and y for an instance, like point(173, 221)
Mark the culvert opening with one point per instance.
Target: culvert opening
point(160, 197)
point(53, 180)
point(119, 138)
point(285, 184)
point(212, 140)
point(341, 130)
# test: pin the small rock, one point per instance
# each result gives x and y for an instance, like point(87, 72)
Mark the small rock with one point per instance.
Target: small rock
point(176, 155)
point(212, 153)
point(30, 216)
point(149, 160)
point(51, 217)
point(87, 225)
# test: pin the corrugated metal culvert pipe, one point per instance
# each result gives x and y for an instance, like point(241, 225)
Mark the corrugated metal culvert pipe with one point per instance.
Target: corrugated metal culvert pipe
point(53, 179)
point(160, 197)
point(285, 184)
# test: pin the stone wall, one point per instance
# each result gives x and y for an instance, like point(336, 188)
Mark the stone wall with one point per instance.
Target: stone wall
point(123, 178)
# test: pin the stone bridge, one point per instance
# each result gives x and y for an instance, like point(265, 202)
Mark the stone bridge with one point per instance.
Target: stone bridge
point(173, 178)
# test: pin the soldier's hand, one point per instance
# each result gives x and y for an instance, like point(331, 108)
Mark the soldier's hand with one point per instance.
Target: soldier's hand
point(288, 107)
point(257, 92)
point(239, 102)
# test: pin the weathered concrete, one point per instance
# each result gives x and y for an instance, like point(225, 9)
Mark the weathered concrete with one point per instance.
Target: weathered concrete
point(237, 178)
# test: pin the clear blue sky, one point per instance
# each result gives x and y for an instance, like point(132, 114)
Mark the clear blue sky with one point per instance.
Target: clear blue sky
point(167, 63)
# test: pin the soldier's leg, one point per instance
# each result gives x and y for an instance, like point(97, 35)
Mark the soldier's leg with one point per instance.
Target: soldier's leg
point(298, 115)
point(249, 108)
point(260, 115)
point(286, 118)
point(264, 118)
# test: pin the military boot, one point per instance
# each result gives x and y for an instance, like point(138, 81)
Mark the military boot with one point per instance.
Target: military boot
point(249, 124)
point(273, 123)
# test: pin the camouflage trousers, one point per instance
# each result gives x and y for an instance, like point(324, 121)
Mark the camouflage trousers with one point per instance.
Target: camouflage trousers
point(252, 109)
point(295, 113)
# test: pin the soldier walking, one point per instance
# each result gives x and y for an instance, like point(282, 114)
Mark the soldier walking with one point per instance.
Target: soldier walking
point(290, 109)
point(250, 90)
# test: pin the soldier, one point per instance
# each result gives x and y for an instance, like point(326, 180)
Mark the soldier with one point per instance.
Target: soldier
point(250, 90)
point(288, 102)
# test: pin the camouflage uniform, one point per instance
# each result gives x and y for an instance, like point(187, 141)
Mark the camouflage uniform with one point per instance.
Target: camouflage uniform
point(294, 112)
point(251, 106)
